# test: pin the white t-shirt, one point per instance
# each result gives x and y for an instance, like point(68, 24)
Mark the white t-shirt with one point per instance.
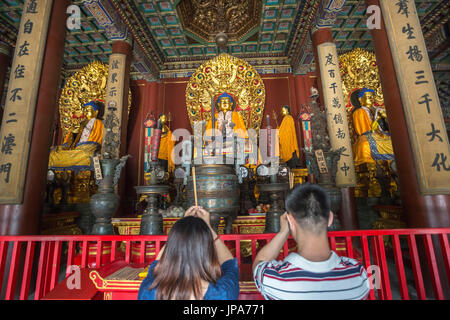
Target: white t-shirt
point(295, 278)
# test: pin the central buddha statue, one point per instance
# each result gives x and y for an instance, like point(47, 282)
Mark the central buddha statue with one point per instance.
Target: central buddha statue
point(227, 118)
point(228, 121)
point(373, 142)
point(81, 142)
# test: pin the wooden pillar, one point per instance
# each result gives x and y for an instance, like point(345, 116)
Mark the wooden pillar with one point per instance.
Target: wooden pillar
point(119, 68)
point(5, 61)
point(432, 211)
point(23, 219)
point(348, 214)
point(319, 36)
point(124, 47)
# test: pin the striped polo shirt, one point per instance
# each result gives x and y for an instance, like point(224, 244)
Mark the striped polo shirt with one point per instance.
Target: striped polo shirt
point(295, 278)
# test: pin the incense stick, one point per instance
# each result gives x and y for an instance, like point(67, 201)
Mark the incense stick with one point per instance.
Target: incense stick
point(291, 180)
point(195, 185)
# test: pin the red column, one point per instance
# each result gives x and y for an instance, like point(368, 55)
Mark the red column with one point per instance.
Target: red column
point(294, 105)
point(5, 61)
point(153, 100)
point(161, 98)
point(125, 48)
point(421, 211)
point(134, 169)
point(348, 214)
point(300, 92)
point(24, 218)
point(320, 36)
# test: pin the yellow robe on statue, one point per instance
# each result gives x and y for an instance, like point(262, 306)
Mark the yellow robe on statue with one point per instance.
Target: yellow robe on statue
point(362, 151)
point(238, 124)
point(165, 150)
point(288, 139)
point(236, 119)
point(78, 158)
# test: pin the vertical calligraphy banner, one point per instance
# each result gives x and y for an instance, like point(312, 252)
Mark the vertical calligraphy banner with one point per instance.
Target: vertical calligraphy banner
point(336, 113)
point(426, 127)
point(114, 105)
point(23, 87)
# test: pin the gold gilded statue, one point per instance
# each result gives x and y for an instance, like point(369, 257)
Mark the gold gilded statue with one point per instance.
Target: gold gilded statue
point(289, 150)
point(81, 142)
point(166, 145)
point(373, 142)
point(227, 118)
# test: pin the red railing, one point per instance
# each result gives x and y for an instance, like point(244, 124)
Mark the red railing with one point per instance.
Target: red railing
point(32, 264)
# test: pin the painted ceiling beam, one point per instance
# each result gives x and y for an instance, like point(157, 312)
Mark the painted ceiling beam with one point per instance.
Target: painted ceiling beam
point(109, 19)
point(325, 17)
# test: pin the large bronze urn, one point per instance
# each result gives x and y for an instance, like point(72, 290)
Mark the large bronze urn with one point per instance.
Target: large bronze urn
point(105, 203)
point(217, 192)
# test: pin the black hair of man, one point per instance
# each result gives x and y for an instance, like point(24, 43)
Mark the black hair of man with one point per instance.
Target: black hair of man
point(309, 204)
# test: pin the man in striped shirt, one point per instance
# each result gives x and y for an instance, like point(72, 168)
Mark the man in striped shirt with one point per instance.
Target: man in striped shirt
point(314, 272)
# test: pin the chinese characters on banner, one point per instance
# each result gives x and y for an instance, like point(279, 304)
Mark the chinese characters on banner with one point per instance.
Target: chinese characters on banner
point(420, 100)
point(336, 113)
point(114, 106)
point(17, 123)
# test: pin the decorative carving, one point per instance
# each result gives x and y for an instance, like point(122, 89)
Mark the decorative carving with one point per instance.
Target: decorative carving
point(327, 13)
point(359, 70)
point(226, 73)
point(107, 18)
point(206, 18)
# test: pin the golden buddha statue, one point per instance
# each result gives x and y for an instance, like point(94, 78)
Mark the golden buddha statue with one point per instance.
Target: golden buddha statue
point(81, 142)
point(373, 142)
point(227, 118)
point(166, 145)
point(289, 151)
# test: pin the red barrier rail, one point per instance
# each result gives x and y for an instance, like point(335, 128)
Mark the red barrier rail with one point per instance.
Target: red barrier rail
point(32, 264)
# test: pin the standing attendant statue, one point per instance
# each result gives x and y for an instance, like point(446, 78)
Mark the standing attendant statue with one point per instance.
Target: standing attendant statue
point(166, 145)
point(289, 151)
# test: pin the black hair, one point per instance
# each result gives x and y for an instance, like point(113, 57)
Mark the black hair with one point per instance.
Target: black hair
point(310, 206)
point(101, 109)
point(287, 107)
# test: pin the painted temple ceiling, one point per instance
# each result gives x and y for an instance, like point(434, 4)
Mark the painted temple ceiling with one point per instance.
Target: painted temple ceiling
point(172, 38)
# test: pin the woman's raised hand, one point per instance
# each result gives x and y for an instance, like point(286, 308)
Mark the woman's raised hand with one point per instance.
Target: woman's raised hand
point(192, 211)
